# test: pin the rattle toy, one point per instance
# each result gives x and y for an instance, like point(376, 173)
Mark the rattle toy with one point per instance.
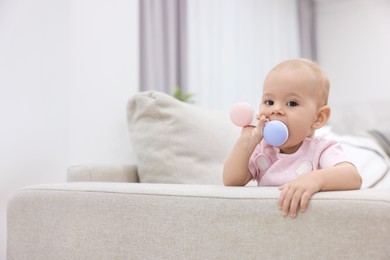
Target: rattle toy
point(275, 132)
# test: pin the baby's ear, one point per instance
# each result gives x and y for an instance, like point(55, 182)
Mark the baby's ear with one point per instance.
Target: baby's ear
point(323, 115)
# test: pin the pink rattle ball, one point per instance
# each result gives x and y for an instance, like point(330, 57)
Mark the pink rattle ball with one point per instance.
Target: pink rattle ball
point(275, 132)
point(242, 114)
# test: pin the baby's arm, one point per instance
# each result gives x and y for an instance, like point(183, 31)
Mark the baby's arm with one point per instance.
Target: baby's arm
point(235, 170)
point(343, 176)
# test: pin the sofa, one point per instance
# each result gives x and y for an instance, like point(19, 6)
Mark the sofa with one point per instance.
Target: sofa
point(172, 204)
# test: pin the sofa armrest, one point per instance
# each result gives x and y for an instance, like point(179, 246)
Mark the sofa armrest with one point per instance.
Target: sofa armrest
point(102, 173)
point(172, 221)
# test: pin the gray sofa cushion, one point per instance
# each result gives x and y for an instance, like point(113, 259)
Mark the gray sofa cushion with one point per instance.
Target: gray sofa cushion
point(176, 142)
point(168, 221)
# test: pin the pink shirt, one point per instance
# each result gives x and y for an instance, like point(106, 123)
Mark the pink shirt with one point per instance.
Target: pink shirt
point(269, 167)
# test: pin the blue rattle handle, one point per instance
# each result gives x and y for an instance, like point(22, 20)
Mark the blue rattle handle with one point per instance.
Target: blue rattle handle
point(275, 133)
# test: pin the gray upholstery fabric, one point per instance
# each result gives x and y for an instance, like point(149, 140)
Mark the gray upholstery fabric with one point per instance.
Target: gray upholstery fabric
point(176, 142)
point(169, 221)
point(103, 173)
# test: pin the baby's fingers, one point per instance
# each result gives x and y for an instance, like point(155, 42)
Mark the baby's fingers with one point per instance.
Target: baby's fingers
point(284, 189)
point(292, 199)
point(262, 119)
point(305, 200)
point(285, 199)
point(294, 204)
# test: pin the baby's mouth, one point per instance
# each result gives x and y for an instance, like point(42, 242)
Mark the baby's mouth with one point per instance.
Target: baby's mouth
point(275, 133)
point(277, 119)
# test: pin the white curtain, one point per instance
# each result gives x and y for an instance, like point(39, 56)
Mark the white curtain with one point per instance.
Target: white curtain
point(232, 44)
point(219, 50)
point(163, 43)
point(307, 28)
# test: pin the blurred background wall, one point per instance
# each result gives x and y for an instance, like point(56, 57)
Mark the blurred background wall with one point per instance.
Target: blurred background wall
point(67, 69)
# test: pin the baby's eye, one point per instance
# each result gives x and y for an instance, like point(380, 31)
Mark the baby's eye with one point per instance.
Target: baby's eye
point(269, 102)
point(292, 104)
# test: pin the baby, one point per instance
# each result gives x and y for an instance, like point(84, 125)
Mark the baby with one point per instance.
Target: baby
point(296, 93)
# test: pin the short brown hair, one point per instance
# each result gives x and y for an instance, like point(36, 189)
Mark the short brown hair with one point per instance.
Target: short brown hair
point(319, 74)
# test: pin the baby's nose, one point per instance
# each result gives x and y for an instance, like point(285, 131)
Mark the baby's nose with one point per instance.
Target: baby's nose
point(277, 110)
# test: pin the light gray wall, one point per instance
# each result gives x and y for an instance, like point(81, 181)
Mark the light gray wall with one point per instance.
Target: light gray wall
point(353, 47)
point(67, 69)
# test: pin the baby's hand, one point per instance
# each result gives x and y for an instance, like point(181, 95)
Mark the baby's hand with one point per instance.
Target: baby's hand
point(262, 120)
point(258, 130)
point(255, 133)
point(296, 194)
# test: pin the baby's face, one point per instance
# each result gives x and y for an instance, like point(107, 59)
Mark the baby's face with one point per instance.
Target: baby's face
point(289, 95)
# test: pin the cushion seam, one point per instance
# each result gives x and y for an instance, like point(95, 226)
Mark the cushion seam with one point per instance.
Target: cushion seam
point(198, 196)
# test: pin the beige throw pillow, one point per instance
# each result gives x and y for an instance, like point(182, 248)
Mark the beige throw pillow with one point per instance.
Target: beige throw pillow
point(176, 142)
